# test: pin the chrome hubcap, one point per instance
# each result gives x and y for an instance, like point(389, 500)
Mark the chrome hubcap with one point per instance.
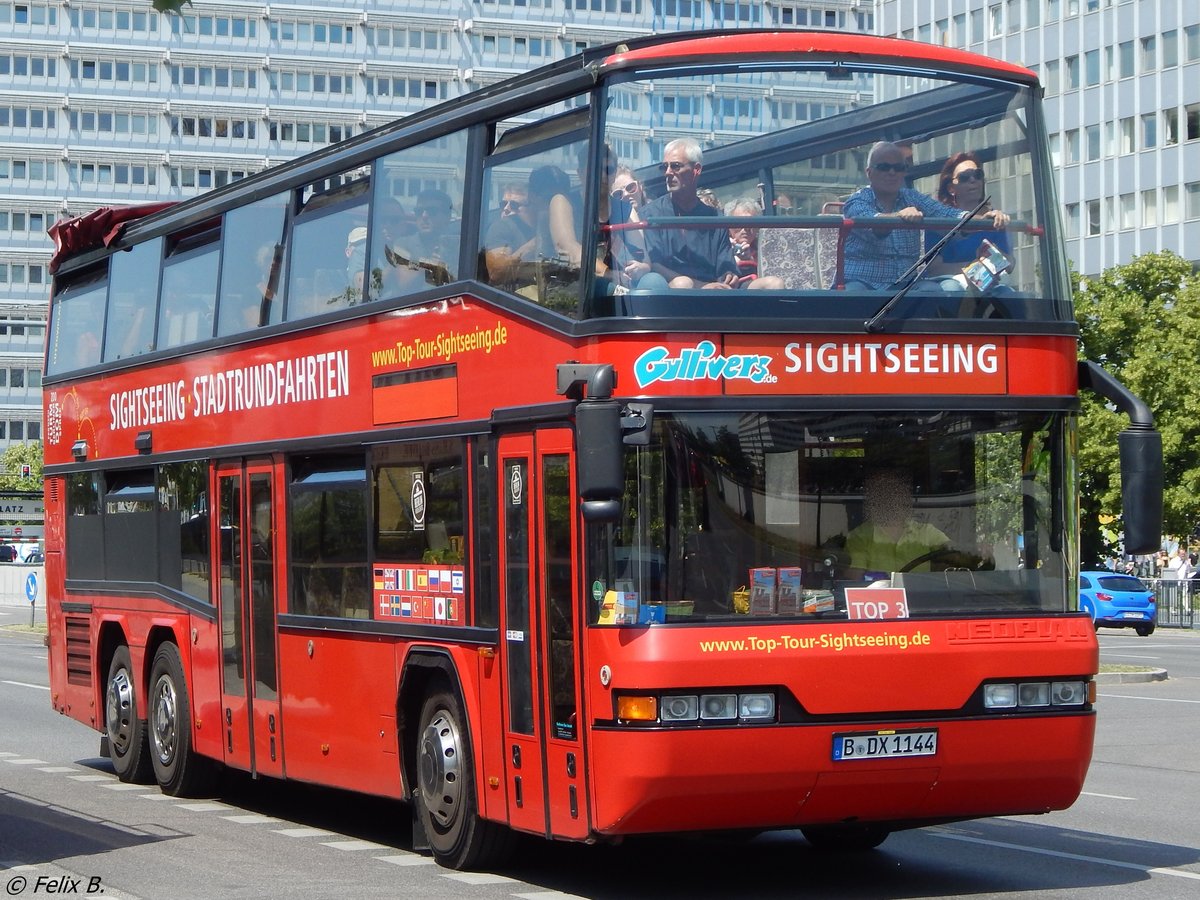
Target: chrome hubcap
point(164, 732)
point(119, 711)
point(438, 769)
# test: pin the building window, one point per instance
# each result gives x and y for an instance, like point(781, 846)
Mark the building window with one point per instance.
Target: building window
point(995, 20)
point(1053, 81)
point(1072, 146)
point(1072, 65)
point(1127, 142)
point(1170, 49)
point(1149, 131)
point(1093, 214)
point(1171, 125)
point(1170, 204)
point(1149, 208)
point(1072, 216)
point(1191, 114)
point(1092, 138)
point(1091, 67)
point(1192, 199)
point(1191, 43)
point(1149, 54)
point(1128, 211)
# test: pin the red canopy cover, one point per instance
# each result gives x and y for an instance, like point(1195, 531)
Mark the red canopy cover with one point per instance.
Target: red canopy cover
point(99, 228)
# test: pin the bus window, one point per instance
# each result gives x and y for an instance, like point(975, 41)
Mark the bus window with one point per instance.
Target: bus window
point(130, 526)
point(326, 265)
point(252, 266)
point(183, 528)
point(415, 223)
point(328, 529)
point(189, 291)
point(133, 297)
point(85, 525)
point(77, 324)
point(531, 229)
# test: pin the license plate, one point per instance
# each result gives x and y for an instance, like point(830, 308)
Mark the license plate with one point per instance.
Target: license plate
point(884, 744)
point(1132, 615)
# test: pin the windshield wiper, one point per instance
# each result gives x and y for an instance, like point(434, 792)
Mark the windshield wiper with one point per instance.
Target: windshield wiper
point(917, 269)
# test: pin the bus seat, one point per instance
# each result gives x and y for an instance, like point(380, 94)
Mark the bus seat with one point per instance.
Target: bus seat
point(790, 254)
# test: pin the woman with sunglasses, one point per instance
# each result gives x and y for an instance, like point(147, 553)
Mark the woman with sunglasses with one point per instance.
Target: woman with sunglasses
point(878, 256)
point(962, 185)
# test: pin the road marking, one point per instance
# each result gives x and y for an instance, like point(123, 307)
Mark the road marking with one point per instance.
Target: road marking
point(355, 845)
point(58, 770)
point(1106, 796)
point(478, 878)
point(1077, 857)
point(407, 859)
point(304, 832)
point(1136, 697)
point(36, 687)
point(122, 786)
point(90, 777)
point(203, 806)
point(250, 819)
point(27, 762)
point(1131, 656)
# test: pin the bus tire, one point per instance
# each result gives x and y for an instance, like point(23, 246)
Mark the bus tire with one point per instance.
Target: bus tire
point(127, 745)
point(849, 838)
point(445, 790)
point(179, 770)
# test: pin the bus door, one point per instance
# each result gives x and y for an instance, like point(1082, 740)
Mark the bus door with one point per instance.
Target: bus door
point(247, 518)
point(540, 620)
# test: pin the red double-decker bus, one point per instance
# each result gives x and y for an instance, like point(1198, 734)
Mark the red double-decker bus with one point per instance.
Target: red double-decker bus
point(456, 464)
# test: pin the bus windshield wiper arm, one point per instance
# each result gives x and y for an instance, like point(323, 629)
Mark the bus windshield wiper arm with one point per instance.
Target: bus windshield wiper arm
point(917, 269)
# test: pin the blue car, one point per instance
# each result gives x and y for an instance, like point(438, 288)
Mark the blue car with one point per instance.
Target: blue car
point(1117, 601)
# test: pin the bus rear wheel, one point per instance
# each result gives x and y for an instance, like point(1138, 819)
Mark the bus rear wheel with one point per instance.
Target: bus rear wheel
point(849, 838)
point(126, 730)
point(180, 771)
point(445, 791)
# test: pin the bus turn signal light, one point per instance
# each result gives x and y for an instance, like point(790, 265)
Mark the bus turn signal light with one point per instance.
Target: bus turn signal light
point(637, 709)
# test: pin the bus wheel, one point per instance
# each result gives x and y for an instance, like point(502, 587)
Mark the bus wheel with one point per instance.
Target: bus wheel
point(845, 838)
point(445, 794)
point(180, 771)
point(126, 729)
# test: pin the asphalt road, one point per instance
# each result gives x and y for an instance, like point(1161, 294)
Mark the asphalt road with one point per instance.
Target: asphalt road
point(1134, 833)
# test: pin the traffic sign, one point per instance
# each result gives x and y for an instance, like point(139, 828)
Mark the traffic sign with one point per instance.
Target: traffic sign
point(31, 589)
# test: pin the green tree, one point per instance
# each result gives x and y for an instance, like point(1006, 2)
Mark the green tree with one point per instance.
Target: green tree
point(14, 458)
point(1141, 322)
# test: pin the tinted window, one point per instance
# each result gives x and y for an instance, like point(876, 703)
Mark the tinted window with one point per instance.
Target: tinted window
point(77, 323)
point(252, 266)
point(132, 300)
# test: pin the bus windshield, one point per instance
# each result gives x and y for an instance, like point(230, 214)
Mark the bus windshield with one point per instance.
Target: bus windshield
point(743, 515)
point(770, 179)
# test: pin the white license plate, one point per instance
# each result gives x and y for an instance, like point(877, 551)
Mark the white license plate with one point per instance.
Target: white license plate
point(884, 744)
point(1132, 615)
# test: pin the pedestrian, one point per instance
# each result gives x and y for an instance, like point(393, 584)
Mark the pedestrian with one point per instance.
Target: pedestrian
point(1180, 565)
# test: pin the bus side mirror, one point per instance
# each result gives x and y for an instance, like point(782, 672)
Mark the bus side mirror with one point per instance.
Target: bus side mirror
point(600, 472)
point(1141, 489)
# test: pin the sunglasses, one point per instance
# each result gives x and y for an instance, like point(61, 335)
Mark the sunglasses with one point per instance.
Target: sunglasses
point(513, 204)
point(631, 188)
point(969, 175)
point(890, 167)
point(674, 166)
point(430, 211)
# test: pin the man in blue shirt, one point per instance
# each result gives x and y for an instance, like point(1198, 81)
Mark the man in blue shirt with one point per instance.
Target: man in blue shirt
point(687, 257)
point(877, 257)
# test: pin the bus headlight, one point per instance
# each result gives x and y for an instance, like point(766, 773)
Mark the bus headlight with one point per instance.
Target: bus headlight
point(756, 707)
point(679, 708)
point(999, 696)
point(1068, 693)
point(718, 706)
point(1036, 693)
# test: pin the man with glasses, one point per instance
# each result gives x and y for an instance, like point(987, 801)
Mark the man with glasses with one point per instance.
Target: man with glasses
point(876, 257)
point(514, 231)
point(687, 257)
point(429, 254)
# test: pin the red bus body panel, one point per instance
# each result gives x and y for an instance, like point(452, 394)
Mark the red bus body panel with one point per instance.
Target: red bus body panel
point(784, 775)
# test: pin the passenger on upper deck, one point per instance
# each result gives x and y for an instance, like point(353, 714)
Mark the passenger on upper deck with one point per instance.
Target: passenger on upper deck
point(687, 257)
point(744, 240)
point(875, 258)
point(962, 185)
point(428, 254)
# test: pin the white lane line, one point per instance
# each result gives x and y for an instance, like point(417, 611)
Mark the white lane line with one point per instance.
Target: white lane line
point(250, 819)
point(304, 832)
point(203, 806)
point(36, 687)
point(57, 770)
point(1136, 697)
point(477, 878)
point(1106, 796)
point(407, 859)
point(122, 786)
point(90, 777)
point(1058, 854)
point(355, 845)
point(1132, 656)
point(27, 762)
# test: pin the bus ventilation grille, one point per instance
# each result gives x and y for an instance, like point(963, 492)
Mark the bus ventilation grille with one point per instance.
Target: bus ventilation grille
point(79, 651)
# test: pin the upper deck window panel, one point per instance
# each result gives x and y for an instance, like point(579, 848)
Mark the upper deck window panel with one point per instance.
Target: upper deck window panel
point(133, 300)
point(416, 219)
point(189, 292)
point(252, 266)
point(325, 271)
point(77, 325)
point(795, 145)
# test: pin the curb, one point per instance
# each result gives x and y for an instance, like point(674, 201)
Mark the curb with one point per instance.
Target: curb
point(1131, 677)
